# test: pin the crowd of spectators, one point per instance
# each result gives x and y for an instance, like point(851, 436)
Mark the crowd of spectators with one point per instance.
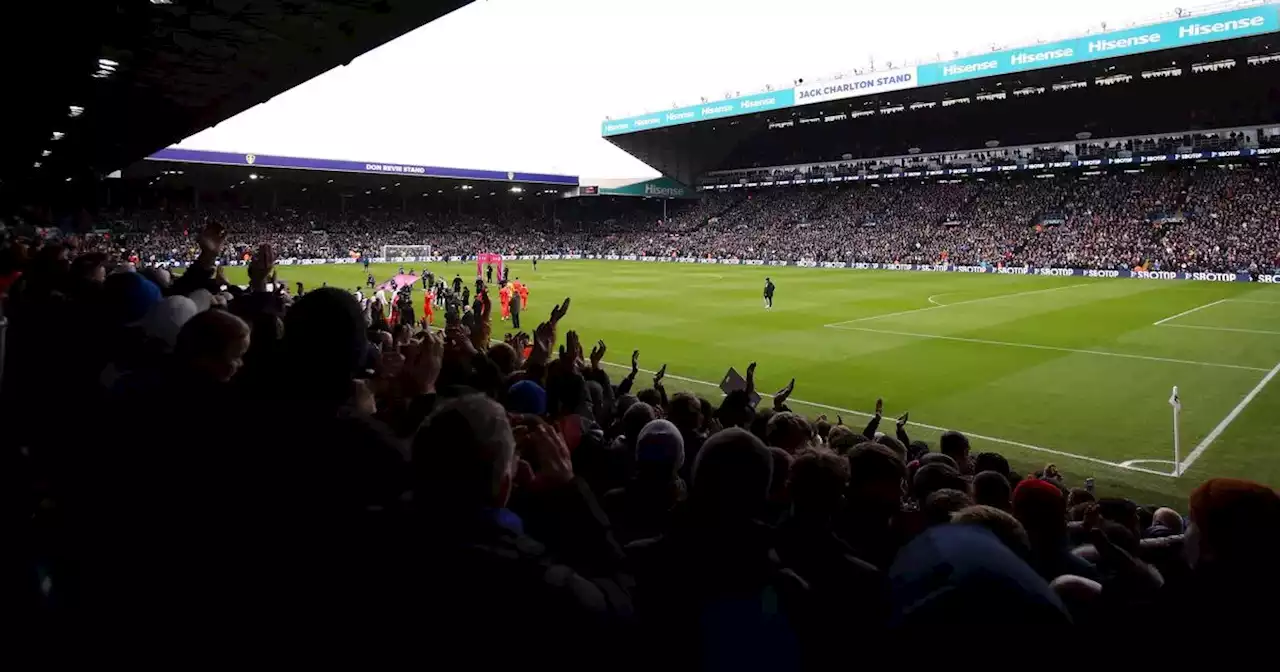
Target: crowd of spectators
point(275, 462)
point(1210, 219)
point(1193, 219)
point(1111, 149)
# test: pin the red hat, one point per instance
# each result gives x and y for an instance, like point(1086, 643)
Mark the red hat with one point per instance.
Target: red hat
point(1233, 514)
point(1038, 493)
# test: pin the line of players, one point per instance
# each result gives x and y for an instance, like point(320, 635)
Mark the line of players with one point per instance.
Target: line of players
point(513, 297)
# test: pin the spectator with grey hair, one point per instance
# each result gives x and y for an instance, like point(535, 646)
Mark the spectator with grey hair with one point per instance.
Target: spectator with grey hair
point(484, 563)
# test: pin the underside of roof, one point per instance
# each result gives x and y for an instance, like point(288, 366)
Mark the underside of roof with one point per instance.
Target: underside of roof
point(170, 69)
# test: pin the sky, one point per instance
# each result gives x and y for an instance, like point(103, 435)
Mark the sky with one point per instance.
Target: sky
point(522, 85)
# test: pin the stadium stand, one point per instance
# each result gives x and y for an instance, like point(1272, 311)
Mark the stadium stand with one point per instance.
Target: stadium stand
point(1194, 219)
point(186, 459)
point(416, 432)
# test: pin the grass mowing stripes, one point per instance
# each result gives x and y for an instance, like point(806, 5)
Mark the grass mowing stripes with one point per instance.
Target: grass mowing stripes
point(1097, 387)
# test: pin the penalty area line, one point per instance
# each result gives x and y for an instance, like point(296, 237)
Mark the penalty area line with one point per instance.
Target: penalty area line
point(1126, 466)
point(957, 303)
point(1053, 348)
point(1228, 329)
point(1188, 312)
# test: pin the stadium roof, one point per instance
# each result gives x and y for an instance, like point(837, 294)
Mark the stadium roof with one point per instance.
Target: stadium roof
point(864, 122)
point(1198, 28)
point(99, 85)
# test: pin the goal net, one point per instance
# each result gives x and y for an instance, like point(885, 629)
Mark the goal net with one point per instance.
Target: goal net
point(406, 252)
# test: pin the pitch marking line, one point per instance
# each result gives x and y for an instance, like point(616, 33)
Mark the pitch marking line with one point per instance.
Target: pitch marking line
point(1128, 462)
point(1265, 303)
point(1033, 346)
point(1188, 312)
point(934, 299)
point(1226, 422)
point(1018, 444)
point(1236, 330)
point(958, 303)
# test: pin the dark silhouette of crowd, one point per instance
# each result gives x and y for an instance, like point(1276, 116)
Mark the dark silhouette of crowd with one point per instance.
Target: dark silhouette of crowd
point(1216, 218)
point(183, 462)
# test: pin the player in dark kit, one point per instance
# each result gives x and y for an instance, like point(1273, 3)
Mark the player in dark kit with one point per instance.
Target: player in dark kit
point(457, 284)
point(405, 305)
point(768, 293)
point(370, 281)
point(515, 311)
point(488, 274)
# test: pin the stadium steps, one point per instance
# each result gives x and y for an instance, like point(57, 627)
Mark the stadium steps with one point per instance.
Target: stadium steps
point(723, 212)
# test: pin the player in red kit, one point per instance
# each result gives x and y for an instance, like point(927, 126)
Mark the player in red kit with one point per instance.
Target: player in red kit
point(428, 306)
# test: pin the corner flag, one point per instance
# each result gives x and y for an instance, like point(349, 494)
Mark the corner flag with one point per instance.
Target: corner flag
point(1176, 403)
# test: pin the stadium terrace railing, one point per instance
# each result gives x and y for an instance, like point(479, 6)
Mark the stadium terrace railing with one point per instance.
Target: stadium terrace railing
point(1099, 162)
point(1205, 142)
point(1264, 278)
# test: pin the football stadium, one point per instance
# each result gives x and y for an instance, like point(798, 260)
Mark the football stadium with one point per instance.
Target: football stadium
point(1009, 309)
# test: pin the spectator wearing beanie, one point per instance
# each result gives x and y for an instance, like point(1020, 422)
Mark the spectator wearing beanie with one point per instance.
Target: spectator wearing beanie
point(162, 323)
point(1041, 508)
point(128, 296)
point(642, 508)
point(527, 398)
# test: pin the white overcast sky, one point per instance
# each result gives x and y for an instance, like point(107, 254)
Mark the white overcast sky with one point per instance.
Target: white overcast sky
point(524, 84)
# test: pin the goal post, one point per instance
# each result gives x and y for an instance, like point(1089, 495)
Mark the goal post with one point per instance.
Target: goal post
point(391, 252)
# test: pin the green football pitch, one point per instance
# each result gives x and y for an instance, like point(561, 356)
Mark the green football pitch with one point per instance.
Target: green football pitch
point(1071, 371)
